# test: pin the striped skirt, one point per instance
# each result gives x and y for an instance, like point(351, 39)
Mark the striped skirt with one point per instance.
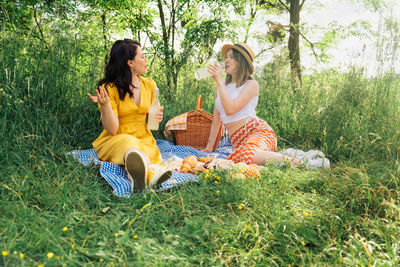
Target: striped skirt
point(255, 136)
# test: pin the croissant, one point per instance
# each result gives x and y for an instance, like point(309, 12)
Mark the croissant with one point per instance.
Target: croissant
point(205, 159)
point(219, 164)
point(198, 169)
point(188, 163)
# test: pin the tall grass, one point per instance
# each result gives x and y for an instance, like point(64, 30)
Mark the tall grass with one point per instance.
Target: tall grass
point(51, 204)
point(347, 115)
point(43, 96)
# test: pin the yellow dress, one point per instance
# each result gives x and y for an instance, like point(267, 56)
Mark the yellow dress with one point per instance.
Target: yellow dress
point(133, 131)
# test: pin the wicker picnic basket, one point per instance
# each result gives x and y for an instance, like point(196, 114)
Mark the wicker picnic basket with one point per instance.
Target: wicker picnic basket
point(198, 126)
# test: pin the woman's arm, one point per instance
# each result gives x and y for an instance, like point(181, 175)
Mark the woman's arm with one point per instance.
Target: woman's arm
point(213, 131)
point(109, 120)
point(250, 90)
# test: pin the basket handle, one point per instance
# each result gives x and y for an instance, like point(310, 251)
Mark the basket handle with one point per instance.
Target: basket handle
point(199, 102)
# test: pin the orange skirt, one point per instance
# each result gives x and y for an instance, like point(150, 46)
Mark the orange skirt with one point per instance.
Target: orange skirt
point(254, 136)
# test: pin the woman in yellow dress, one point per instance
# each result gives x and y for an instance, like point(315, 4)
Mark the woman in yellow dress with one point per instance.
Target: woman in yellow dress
point(124, 98)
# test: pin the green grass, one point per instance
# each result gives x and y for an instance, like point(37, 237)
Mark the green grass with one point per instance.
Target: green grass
point(288, 216)
point(348, 215)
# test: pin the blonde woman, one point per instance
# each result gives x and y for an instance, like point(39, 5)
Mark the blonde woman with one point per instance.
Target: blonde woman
point(236, 99)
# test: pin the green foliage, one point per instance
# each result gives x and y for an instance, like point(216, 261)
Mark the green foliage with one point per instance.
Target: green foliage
point(348, 115)
point(197, 26)
point(45, 92)
point(51, 204)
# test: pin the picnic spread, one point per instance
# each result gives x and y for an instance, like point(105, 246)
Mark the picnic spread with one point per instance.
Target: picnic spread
point(187, 160)
point(172, 154)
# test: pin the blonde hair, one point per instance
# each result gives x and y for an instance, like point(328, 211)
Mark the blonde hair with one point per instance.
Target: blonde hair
point(243, 71)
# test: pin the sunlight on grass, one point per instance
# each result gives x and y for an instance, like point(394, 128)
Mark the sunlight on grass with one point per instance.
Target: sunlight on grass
point(58, 212)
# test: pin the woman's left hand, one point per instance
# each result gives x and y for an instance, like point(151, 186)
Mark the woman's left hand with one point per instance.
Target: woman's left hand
point(159, 115)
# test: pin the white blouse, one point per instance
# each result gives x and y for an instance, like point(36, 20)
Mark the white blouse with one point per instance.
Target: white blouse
point(248, 111)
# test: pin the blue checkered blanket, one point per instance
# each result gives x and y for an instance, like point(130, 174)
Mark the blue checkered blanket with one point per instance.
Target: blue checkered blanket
point(115, 175)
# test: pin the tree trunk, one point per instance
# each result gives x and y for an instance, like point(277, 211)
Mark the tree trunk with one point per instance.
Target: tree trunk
point(104, 24)
point(165, 51)
point(294, 48)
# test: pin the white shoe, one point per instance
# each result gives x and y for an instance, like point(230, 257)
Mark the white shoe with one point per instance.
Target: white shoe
point(314, 159)
point(136, 163)
point(158, 174)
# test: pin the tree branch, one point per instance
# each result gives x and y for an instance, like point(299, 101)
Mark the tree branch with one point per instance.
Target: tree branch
point(301, 5)
point(253, 13)
point(265, 50)
point(311, 44)
point(283, 4)
point(162, 18)
point(39, 28)
point(103, 25)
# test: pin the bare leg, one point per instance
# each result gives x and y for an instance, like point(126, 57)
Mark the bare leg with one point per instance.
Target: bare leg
point(260, 158)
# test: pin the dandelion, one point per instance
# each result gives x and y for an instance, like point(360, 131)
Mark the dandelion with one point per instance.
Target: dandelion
point(240, 206)
point(4, 253)
point(303, 243)
point(306, 214)
point(216, 182)
point(135, 236)
point(65, 228)
point(73, 245)
point(21, 256)
point(217, 192)
point(40, 265)
point(50, 255)
point(116, 234)
point(340, 260)
point(101, 259)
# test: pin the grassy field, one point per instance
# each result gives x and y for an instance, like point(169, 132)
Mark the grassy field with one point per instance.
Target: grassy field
point(56, 212)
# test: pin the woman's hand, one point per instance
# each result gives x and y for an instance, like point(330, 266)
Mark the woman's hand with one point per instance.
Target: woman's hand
point(207, 149)
point(159, 115)
point(215, 71)
point(101, 96)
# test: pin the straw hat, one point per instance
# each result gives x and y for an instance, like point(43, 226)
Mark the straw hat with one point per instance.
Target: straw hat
point(242, 48)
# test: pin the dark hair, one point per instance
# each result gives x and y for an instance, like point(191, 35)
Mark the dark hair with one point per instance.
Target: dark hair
point(243, 72)
point(117, 70)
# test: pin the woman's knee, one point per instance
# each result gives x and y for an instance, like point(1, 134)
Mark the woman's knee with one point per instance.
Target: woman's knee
point(129, 139)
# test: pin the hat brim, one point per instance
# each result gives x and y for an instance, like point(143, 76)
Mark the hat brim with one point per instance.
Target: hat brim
point(226, 47)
